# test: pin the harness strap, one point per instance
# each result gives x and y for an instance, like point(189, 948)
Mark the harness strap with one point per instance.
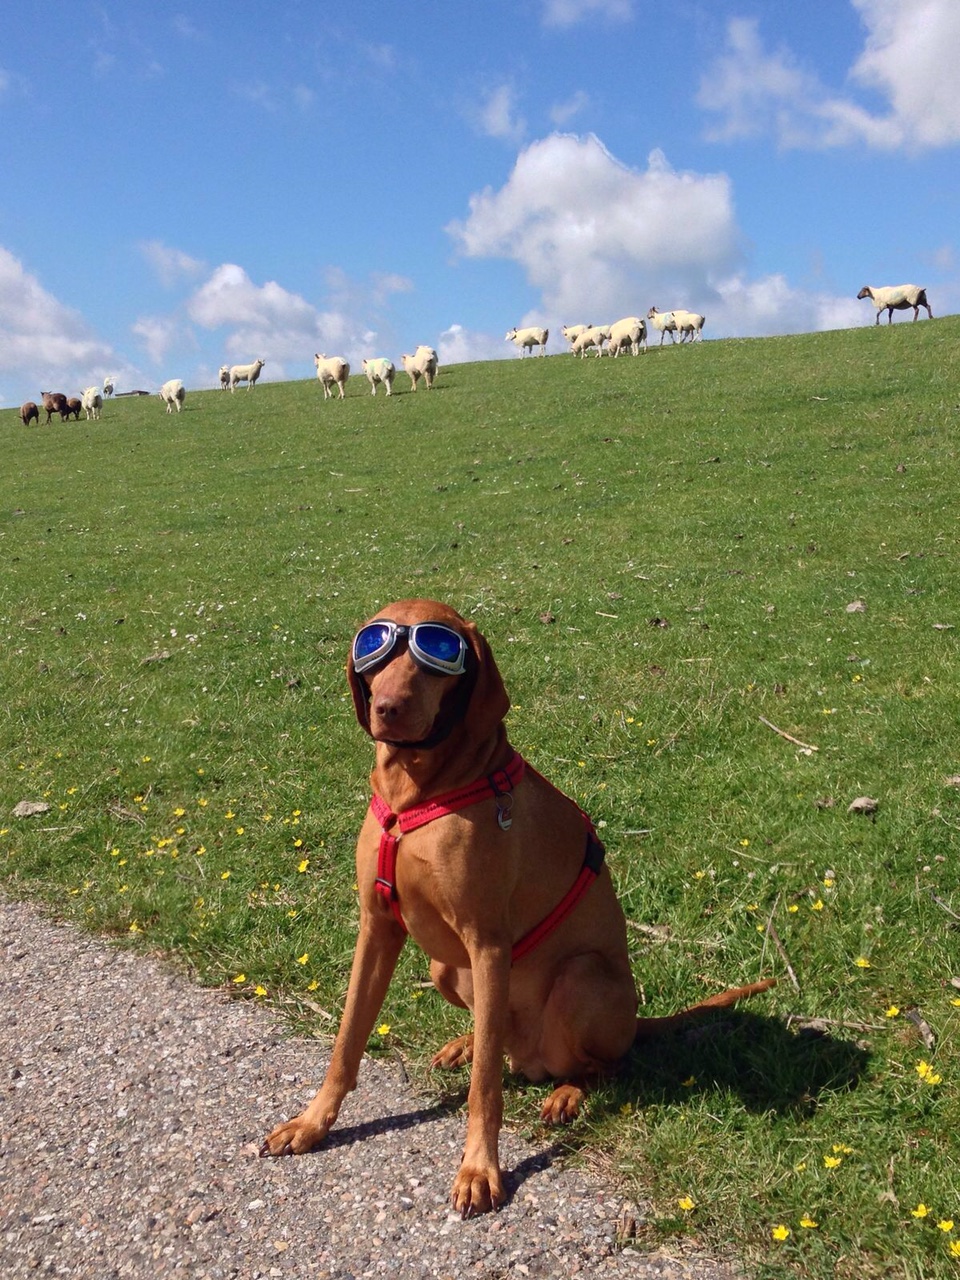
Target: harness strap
point(499, 784)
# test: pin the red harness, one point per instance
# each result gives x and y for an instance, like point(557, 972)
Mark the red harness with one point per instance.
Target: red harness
point(498, 785)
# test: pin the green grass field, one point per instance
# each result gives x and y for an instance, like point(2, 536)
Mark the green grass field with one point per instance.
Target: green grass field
point(673, 557)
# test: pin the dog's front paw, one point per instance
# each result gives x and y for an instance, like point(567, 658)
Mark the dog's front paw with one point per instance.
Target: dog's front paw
point(477, 1190)
point(563, 1105)
point(294, 1138)
point(455, 1053)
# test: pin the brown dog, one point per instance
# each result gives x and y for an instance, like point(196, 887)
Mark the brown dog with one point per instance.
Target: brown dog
point(498, 876)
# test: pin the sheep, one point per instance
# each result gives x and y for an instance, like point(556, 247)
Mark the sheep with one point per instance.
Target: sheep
point(664, 321)
point(73, 407)
point(422, 364)
point(92, 403)
point(595, 336)
point(380, 369)
point(224, 377)
point(630, 332)
point(689, 325)
point(527, 339)
point(247, 373)
point(173, 393)
point(332, 371)
point(108, 384)
point(896, 297)
point(573, 331)
point(54, 402)
point(29, 412)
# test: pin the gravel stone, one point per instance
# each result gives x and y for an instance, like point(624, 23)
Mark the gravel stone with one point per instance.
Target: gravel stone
point(132, 1108)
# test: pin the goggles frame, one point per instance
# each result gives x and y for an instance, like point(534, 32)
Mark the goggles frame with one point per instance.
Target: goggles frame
point(414, 635)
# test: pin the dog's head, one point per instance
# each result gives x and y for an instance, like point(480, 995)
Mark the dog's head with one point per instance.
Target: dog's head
point(402, 697)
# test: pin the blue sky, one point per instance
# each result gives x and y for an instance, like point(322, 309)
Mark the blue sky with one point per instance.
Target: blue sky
point(186, 187)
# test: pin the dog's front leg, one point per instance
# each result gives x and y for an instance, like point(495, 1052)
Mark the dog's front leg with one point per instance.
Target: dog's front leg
point(379, 943)
point(478, 1186)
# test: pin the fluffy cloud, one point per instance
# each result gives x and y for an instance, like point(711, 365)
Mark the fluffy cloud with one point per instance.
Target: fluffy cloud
point(567, 13)
point(497, 116)
point(908, 57)
point(457, 345)
point(43, 343)
point(598, 238)
point(172, 266)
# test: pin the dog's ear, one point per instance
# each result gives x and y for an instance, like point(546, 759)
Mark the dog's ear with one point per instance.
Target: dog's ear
point(489, 701)
point(360, 694)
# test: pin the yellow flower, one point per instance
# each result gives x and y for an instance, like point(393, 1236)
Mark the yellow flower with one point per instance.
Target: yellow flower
point(178, 813)
point(780, 1232)
point(312, 984)
point(832, 1162)
point(927, 1073)
point(240, 979)
point(745, 844)
point(297, 844)
point(816, 906)
point(686, 1203)
point(893, 1011)
point(829, 882)
point(625, 1110)
point(304, 958)
point(799, 1168)
point(793, 908)
point(945, 1224)
point(303, 865)
point(689, 1082)
point(259, 991)
point(239, 831)
point(698, 875)
point(862, 962)
point(955, 1248)
point(807, 1221)
point(383, 1029)
point(839, 1149)
point(224, 875)
point(955, 1002)
point(920, 1211)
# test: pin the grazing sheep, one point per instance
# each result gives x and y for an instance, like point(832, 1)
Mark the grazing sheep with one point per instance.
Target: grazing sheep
point(92, 403)
point(595, 336)
point(897, 297)
point(573, 331)
point(29, 412)
point(380, 369)
point(224, 377)
point(631, 333)
point(173, 393)
point(422, 364)
point(73, 407)
point(54, 402)
point(247, 373)
point(527, 339)
point(108, 384)
point(332, 371)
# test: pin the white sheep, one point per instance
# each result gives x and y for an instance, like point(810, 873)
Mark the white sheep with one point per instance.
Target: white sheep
point(91, 402)
point(224, 377)
point(897, 297)
point(332, 371)
point(108, 384)
point(527, 339)
point(173, 393)
point(631, 333)
point(573, 331)
point(664, 321)
point(595, 336)
point(380, 369)
point(247, 373)
point(422, 364)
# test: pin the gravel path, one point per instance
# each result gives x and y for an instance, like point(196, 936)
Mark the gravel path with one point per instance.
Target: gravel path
point(133, 1104)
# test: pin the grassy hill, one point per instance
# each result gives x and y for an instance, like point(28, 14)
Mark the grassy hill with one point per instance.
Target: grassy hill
point(679, 560)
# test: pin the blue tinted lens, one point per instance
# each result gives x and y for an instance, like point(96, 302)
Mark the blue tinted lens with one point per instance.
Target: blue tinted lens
point(370, 640)
point(439, 642)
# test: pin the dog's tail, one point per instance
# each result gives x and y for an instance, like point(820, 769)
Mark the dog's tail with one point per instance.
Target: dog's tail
point(649, 1028)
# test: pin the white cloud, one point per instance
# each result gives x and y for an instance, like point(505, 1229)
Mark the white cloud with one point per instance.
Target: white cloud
point(172, 266)
point(908, 57)
point(43, 343)
point(563, 112)
point(159, 335)
point(768, 306)
point(457, 345)
point(600, 239)
point(497, 116)
point(567, 13)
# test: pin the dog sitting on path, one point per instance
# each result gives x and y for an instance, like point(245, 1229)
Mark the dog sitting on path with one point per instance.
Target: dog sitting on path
point(496, 874)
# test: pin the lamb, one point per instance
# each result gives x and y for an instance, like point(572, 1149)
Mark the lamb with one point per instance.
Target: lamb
point(689, 325)
point(332, 371)
point(573, 331)
point(380, 369)
point(224, 377)
point(595, 336)
point(73, 407)
point(630, 332)
point(897, 297)
point(527, 339)
point(247, 373)
point(29, 411)
point(54, 402)
point(422, 364)
point(92, 403)
point(173, 393)
point(108, 384)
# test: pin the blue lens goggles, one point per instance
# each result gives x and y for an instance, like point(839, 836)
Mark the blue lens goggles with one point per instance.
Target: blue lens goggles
point(433, 646)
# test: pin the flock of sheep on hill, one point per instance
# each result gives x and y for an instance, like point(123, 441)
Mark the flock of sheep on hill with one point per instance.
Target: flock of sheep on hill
point(629, 334)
